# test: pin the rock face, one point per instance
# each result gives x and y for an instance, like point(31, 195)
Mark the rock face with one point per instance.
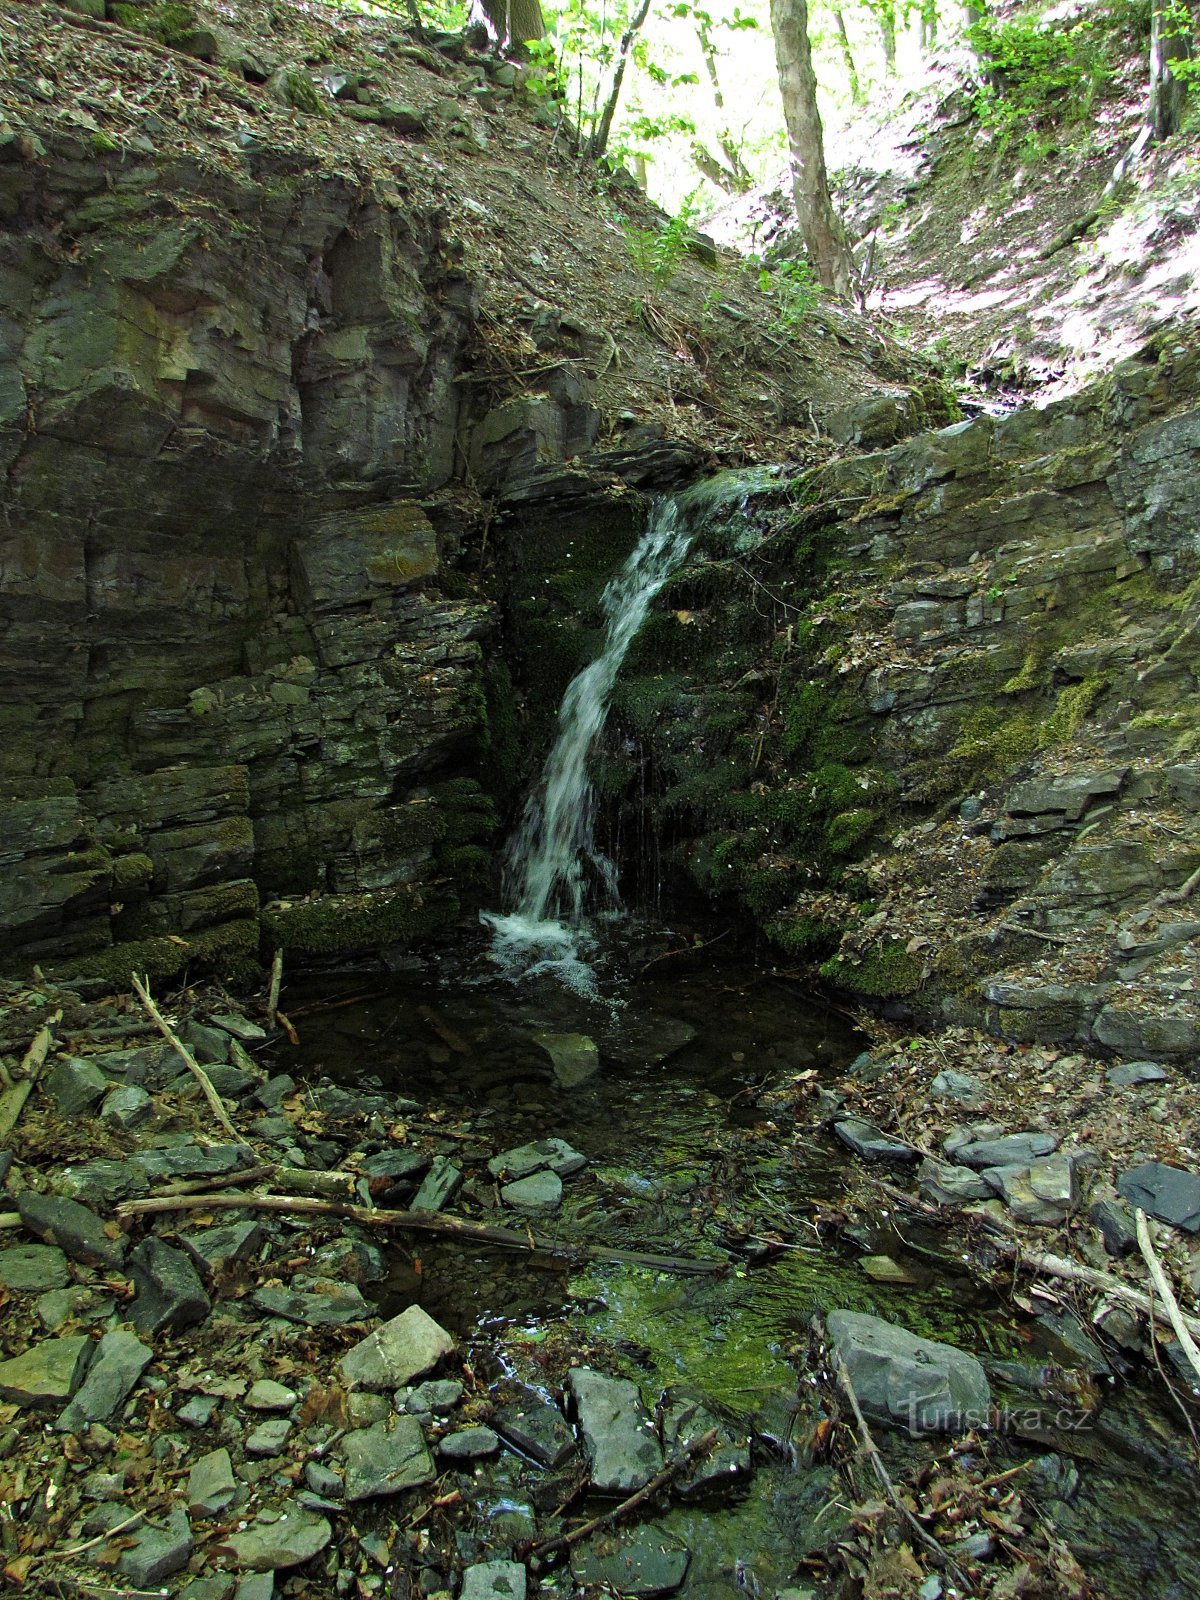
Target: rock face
point(918, 1384)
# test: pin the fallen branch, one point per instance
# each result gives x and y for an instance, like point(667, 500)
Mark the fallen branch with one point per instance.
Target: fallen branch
point(216, 1105)
point(101, 1538)
point(698, 1447)
point(12, 1101)
point(937, 1555)
point(683, 950)
point(1164, 1291)
point(1172, 897)
point(418, 1222)
point(1076, 1272)
point(1034, 933)
point(276, 985)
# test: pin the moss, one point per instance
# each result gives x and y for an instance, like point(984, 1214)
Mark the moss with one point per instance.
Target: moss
point(848, 829)
point(884, 972)
point(344, 925)
point(1073, 704)
point(809, 937)
point(132, 874)
point(228, 950)
point(296, 89)
point(169, 22)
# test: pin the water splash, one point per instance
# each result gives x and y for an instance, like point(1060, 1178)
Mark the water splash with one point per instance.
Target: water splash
point(553, 868)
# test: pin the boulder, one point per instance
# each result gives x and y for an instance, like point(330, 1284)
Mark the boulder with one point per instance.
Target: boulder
point(554, 1155)
point(386, 1458)
point(469, 1444)
point(944, 1184)
point(537, 1429)
point(398, 1351)
point(74, 1085)
point(439, 1186)
point(907, 1381)
point(618, 1436)
point(211, 1484)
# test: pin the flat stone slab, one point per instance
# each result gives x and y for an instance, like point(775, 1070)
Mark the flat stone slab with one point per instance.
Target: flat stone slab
point(398, 1351)
point(33, 1268)
point(541, 1191)
point(75, 1084)
point(1010, 1150)
point(964, 1088)
point(128, 1106)
point(920, 1384)
point(687, 1419)
point(469, 1444)
point(72, 1227)
point(118, 1363)
point(47, 1375)
point(437, 1396)
point(1042, 1193)
point(439, 1186)
point(1169, 1193)
point(157, 1552)
point(645, 1564)
point(269, 1438)
point(215, 1248)
point(947, 1185)
point(267, 1395)
point(1134, 1072)
point(315, 1310)
point(386, 1459)
point(169, 1293)
point(273, 1544)
point(494, 1580)
point(870, 1142)
point(554, 1155)
point(574, 1057)
point(618, 1435)
point(537, 1429)
point(211, 1484)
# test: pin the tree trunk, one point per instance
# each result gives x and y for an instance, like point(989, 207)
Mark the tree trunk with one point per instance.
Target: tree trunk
point(737, 180)
point(929, 28)
point(824, 239)
point(598, 143)
point(887, 28)
point(515, 22)
point(1169, 43)
point(856, 93)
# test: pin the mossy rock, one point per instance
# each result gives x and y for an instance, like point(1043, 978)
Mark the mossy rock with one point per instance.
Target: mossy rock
point(229, 951)
point(884, 972)
point(347, 925)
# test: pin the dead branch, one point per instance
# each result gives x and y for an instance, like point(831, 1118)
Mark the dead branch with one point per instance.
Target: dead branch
point(418, 1222)
point(1164, 1291)
point(1171, 897)
point(216, 1105)
point(12, 1101)
point(1076, 1272)
point(276, 985)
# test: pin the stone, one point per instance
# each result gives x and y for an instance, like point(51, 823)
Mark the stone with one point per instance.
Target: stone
point(386, 1458)
point(618, 1436)
point(211, 1484)
point(439, 1187)
point(74, 1085)
point(868, 1141)
point(1042, 1193)
point(208, 1045)
point(469, 1444)
point(1116, 1225)
point(274, 1091)
point(1168, 1193)
point(213, 1586)
point(494, 1580)
point(118, 1363)
point(1134, 1072)
point(230, 1082)
point(267, 1395)
point(645, 1563)
point(342, 1305)
point(72, 1227)
point(1010, 1150)
point(322, 1480)
point(398, 1351)
point(276, 1541)
point(101, 1183)
point(537, 1429)
point(363, 1409)
point(33, 1268)
point(962, 1087)
point(686, 1419)
point(214, 1249)
point(397, 1164)
point(157, 1551)
point(553, 1154)
point(169, 1293)
point(574, 1058)
point(903, 1380)
point(191, 1161)
point(256, 1586)
point(61, 1305)
point(944, 1184)
point(46, 1376)
point(198, 1411)
point(269, 1438)
point(437, 1397)
point(128, 1106)
point(541, 1191)
point(240, 1027)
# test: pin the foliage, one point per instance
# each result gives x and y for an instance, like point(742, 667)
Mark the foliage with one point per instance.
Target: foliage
point(657, 252)
point(1034, 73)
point(793, 290)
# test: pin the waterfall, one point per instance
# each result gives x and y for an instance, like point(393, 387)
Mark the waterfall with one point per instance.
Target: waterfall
point(552, 862)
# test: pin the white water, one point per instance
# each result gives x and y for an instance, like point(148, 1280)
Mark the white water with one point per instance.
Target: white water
point(552, 864)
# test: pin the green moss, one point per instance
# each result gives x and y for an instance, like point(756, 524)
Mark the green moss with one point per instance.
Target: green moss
point(1073, 705)
point(345, 925)
point(810, 938)
point(296, 89)
point(885, 972)
point(169, 22)
point(228, 950)
point(132, 874)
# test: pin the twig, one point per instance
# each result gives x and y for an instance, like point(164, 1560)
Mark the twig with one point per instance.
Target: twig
point(1034, 933)
point(1165, 1292)
point(12, 1101)
point(276, 984)
point(697, 1447)
point(1076, 1272)
point(1171, 897)
point(683, 950)
point(101, 1538)
point(189, 1060)
point(925, 1539)
point(418, 1222)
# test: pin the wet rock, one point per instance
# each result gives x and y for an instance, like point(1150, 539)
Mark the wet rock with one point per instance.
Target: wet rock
point(686, 1419)
point(46, 1376)
point(494, 1580)
point(211, 1484)
point(157, 1551)
point(32, 1268)
point(537, 1429)
point(267, 1395)
point(275, 1541)
point(208, 1045)
point(1168, 1193)
point(169, 1293)
point(118, 1363)
point(1134, 1072)
point(343, 1304)
point(128, 1106)
point(191, 1161)
point(883, 1269)
point(386, 1458)
point(397, 1164)
point(646, 1563)
point(870, 1142)
point(962, 1087)
point(213, 1249)
point(240, 1027)
point(1116, 1225)
point(439, 1187)
point(72, 1227)
point(398, 1351)
point(541, 1191)
point(574, 1057)
point(554, 1155)
point(920, 1384)
point(74, 1085)
point(469, 1444)
point(1010, 1150)
point(437, 1397)
point(617, 1433)
point(269, 1438)
point(944, 1184)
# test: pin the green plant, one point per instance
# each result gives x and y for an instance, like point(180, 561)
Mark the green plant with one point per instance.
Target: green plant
point(1033, 73)
point(657, 252)
point(793, 290)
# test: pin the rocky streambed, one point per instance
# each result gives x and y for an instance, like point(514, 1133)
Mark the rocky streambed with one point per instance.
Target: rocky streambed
point(472, 1267)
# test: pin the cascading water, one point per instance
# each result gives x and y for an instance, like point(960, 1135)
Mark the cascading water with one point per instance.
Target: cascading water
point(552, 861)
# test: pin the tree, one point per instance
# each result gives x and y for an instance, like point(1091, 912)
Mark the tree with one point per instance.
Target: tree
point(824, 238)
point(1170, 45)
point(515, 22)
